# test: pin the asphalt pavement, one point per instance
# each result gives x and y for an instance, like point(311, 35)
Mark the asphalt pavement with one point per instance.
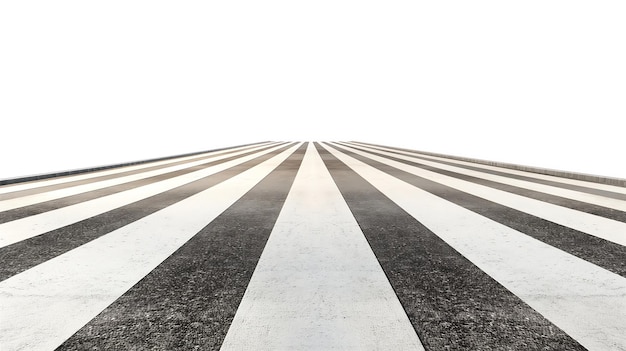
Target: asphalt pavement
point(312, 246)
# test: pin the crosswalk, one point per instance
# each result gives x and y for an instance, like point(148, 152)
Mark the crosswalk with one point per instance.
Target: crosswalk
point(312, 246)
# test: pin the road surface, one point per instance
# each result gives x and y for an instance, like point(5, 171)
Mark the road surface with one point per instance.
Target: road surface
point(312, 246)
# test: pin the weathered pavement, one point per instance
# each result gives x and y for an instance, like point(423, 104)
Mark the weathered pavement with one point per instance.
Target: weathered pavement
point(312, 246)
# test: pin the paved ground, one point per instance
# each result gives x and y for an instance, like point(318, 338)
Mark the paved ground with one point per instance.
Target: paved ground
point(312, 246)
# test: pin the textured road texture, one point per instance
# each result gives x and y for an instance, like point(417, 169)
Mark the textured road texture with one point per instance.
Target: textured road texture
point(312, 246)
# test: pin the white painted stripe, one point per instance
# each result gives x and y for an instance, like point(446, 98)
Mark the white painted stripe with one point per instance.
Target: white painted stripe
point(605, 228)
point(584, 300)
point(594, 199)
point(83, 188)
point(24, 228)
point(65, 179)
point(599, 186)
point(45, 305)
point(318, 285)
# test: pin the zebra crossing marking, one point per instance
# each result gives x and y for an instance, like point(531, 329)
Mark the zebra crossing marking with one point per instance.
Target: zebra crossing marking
point(584, 300)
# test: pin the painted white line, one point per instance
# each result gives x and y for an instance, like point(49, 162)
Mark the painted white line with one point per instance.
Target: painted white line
point(28, 227)
point(599, 186)
point(584, 300)
point(605, 228)
point(83, 188)
point(594, 199)
point(65, 179)
point(318, 285)
point(45, 305)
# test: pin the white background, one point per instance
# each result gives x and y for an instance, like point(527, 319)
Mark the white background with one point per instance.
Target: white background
point(89, 83)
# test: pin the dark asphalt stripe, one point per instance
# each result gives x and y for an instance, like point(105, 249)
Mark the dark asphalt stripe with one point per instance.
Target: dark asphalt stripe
point(41, 207)
point(39, 177)
point(557, 173)
point(583, 189)
point(537, 195)
point(606, 254)
point(25, 254)
point(451, 303)
point(48, 188)
point(189, 300)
